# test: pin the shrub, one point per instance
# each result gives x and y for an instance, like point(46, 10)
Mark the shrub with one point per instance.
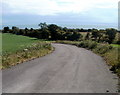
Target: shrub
point(84, 44)
point(88, 44)
point(102, 49)
point(92, 45)
point(113, 60)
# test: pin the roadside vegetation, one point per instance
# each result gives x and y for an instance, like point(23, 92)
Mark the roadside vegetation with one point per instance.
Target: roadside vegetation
point(0, 49)
point(111, 54)
point(105, 42)
point(12, 43)
point(17, 49)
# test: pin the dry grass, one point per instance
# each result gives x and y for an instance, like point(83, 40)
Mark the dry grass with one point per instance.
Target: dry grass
point(38, 50)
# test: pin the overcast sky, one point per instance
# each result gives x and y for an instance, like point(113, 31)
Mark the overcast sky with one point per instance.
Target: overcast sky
point(84, 12)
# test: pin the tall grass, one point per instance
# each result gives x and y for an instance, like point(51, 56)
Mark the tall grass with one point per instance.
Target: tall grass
point(17, 49)
point(34, 51)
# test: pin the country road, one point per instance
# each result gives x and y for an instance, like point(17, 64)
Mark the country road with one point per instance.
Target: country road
point(68, 69)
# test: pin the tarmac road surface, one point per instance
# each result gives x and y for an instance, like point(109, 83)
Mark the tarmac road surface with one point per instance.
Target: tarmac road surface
point(68, 69)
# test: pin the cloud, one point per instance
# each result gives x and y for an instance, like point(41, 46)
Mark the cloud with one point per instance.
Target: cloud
point(54, 7)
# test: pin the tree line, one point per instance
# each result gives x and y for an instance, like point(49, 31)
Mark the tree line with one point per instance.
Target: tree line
point(55, 32)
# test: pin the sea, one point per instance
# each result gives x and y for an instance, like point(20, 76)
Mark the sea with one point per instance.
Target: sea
point(35, 26)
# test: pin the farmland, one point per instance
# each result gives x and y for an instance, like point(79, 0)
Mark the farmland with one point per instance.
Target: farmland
point(115, 45)
point(18, 49)
point(13, 43)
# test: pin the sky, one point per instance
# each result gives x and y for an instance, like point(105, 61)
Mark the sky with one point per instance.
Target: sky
point(61, 12)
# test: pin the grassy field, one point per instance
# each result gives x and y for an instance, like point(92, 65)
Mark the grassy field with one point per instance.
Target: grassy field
point(83, 34)
point(12, 43)
point(17, 49)
point(115, 45)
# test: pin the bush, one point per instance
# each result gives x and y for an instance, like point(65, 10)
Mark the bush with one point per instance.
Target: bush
point(84, 44)
point(113, 60)
point(88, 44)
point(102, 49)
point(92, 45)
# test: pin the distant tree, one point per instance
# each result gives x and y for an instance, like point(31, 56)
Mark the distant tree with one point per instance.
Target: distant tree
point(68, 35)
point(111, 34)
point(89, 30)
point(87, 37)
point(6, 30)
point(43, 25)
point(31, 29)
point(15, 30)
point(95, 34)
point(26, 32)
point(45, 34)
point(61, 35)
point(54, 29)
point(73, 36)
point(21, 32)
point(81, 30)
point(65, 29)
point(76, 36)
point(101, 36)
point(44, 30)
point(37, 34)
point(118, 41)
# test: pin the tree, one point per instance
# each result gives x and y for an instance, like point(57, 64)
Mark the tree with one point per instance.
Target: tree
point(65, 29)
point(118, 42)
point(21, 32)
point(76, 36)
point(26, 32)
point(54, 29)
point(43, 25)
point(44, 31)
point(89, 30)
point(111, 34)
point(45, 34)
point(87, 37)
point(95, 34)
point(73, 36)
point(60, 35)
point(101, 36)
point(15, 30)
point(6, 30)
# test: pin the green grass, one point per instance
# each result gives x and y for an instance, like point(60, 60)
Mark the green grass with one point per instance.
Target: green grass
point(115, 45)
point(18, 49)
point(0, 42)
point(12, 43)
point(0, 50)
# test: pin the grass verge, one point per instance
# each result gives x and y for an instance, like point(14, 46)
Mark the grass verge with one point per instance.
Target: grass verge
point(17, 49)
point(115, 45)
point(29, 53)
point(110, 53)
